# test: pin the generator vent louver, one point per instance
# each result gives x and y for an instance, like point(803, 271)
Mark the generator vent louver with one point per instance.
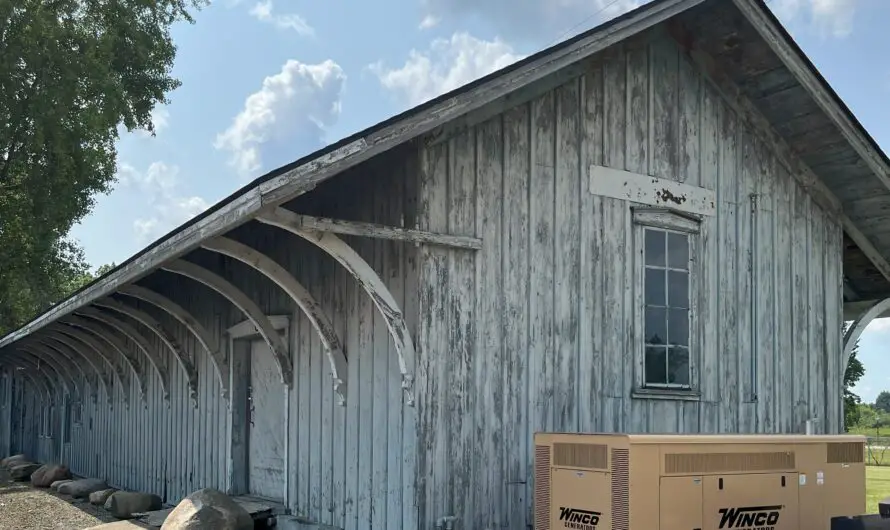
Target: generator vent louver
point(542, 487)
point(680, 463)
point(589, 456)
point(620, 489)
point(845, 453)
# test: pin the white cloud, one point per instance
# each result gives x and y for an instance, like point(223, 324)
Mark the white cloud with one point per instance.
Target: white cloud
point(547, 22)
point(878, 324)
point(301, 100)
point(428, 22)
point(833, 16)
point(160, 117)
point(159, 184)
point(543, 21)
point(262, 11)
point(448, 64)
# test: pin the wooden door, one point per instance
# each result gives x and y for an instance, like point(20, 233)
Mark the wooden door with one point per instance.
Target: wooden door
point(266, 425)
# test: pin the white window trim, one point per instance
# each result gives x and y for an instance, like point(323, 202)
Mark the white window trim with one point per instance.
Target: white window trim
point(690, 224)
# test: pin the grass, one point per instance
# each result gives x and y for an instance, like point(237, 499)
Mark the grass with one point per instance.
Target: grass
point(877, 486)
point(870, 431)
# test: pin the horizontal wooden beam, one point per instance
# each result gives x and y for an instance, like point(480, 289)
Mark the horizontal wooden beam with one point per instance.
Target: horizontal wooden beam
point(355, 228)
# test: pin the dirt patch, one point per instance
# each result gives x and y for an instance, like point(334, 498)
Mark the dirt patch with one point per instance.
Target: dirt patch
point(23, 506)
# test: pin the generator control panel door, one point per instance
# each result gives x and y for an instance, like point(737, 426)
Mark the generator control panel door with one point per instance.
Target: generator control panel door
point(754, 501)
point(680, 501)
point(580, 500)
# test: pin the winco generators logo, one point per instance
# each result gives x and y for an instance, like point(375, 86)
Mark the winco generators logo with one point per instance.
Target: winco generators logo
point(750, 517)
point(579, 519)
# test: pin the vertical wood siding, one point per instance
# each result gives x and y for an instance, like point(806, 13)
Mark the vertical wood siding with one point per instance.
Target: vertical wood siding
point(533, 332)
point(536, 333)
point(351, 467)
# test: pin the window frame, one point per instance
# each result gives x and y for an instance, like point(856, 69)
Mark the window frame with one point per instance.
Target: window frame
point(669, 220)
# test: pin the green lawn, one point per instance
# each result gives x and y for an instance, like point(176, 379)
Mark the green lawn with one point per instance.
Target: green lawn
point(877, 486)
point(869, 431)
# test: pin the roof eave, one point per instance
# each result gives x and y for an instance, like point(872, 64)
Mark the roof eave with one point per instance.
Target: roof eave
point(283, 185)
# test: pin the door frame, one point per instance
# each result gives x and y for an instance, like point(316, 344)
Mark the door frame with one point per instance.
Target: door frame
point(238, 343)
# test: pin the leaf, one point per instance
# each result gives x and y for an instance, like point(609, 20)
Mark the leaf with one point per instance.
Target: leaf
point(71, 73)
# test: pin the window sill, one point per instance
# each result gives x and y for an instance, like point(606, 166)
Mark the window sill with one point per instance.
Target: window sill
point(672, 394)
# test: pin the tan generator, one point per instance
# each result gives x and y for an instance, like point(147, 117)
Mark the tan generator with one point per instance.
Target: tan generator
point(696, 482)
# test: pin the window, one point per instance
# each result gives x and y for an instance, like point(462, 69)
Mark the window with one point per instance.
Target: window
point(666, 244)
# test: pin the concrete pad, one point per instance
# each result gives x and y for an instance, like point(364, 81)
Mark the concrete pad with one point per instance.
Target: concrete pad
point(289, 522)
point(119, 525)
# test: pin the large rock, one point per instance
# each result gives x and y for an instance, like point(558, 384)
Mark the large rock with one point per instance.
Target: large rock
point(10, 461)
point(99, 497)
point(82, 488)
point(123, 504)
point(22, 472)
point(49, 473)
point(208, 509)
point(55, 485)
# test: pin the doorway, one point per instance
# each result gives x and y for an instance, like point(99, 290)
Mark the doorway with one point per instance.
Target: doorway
point(266, 425)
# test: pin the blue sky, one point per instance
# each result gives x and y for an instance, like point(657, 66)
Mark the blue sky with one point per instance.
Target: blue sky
point(266, 82)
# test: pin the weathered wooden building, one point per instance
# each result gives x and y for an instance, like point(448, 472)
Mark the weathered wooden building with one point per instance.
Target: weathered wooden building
point(655, 226)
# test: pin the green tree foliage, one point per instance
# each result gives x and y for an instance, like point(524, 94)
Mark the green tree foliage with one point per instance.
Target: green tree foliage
point(71, 73)
point(882, 402)
point(854, 372)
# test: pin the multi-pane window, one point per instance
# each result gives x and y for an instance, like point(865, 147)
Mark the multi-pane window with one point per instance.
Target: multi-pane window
point(666, 308)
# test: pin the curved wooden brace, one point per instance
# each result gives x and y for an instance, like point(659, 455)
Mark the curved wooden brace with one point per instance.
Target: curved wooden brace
point(369, 280)
point(125, 329)
point(50, 345)
point(87, 339)
point(855, 331)
point(41, 380)
point(108, 337)
point(50, 369)
point(64, 360)
point(47, 376)
point(310, 307)
point(39, 384)
point(63, 364)
point(207, 341)
point(49, 372)
point(166, 337)
point(56, 337)
point(245, 304)
point(63, 372)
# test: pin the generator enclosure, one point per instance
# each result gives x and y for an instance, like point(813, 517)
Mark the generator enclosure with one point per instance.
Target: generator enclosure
point(696, 482)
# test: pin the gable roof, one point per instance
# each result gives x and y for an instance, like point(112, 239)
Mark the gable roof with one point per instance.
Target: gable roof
point(743, 36)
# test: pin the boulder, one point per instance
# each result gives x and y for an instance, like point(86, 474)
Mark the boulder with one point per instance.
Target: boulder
point(55, 485)
point(208, 509)
point(49, 473)
point(99, 497)
point(10, 461)
point(82, 488)
point(22, 472)
point(123, 504)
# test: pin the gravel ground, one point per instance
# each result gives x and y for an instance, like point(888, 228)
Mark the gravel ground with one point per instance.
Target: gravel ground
point(25, 507)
